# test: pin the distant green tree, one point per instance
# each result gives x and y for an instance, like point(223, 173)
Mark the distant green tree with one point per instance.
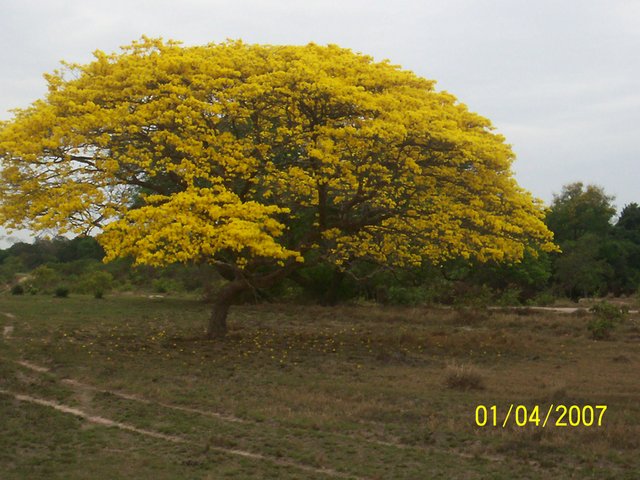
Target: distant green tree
point(579, 210)
point(9, 267)
point(79, 248)
point(580, 271)
point(623, 255)
point(32, 255)
point(624, 252)
point(581, 220)
point(529, 276)
point(629, 219)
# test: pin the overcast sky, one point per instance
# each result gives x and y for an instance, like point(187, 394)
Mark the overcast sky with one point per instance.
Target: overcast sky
point(558, 78)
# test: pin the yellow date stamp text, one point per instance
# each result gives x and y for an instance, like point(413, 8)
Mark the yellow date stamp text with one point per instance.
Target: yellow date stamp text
point(537, 416)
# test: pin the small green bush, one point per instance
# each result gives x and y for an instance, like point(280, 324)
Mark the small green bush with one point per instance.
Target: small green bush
point(478, 296)
point(509, 297)
point(600, 328)
point(605, 318)
point(61, 292)
point(160, 286)
point(413, 296)
point(30, 288)
point(609, 311)
point(124, 286)
point(17, 289)
point(44, 278)
point(166, 285)
point(98, 283)
point(542, 299)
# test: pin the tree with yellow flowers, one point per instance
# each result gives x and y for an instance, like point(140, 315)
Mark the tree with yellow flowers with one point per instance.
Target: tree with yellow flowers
point(262, 160)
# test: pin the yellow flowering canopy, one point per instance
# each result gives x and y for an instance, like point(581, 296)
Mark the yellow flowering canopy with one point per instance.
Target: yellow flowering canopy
point(254, 155)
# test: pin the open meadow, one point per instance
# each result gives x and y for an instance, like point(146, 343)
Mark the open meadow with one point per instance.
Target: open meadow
point(127, 387)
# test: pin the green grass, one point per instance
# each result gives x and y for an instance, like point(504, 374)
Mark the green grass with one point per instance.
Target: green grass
point(345, 392)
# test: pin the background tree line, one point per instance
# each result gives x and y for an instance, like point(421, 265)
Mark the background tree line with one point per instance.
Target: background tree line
point(600, 256)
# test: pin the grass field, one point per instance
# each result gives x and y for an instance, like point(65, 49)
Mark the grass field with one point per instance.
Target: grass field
point(127, 387)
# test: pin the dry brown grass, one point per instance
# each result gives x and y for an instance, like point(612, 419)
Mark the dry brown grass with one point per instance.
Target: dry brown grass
point(463, 377)
point(377, 392)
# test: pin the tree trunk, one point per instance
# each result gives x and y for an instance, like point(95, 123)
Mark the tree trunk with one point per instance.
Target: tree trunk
point(331, 295)
point(240, 283)
point(217, 327)
point(218, 320)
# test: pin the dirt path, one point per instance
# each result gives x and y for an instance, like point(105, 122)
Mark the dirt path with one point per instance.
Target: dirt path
point(135, 398)
point(170, 438)
point(32, 366)
point(550, 309)
point(231, 418)
point(7, 330)
point(91, 418)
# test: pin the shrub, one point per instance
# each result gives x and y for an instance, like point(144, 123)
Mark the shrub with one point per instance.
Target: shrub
point(61, 292)
point(44, 278)
point(610, 311)
point(413, 296)
point(600, 328)
point(98, 283)
point(463, 377)
point(509, 297)
point(478, 296)
point(17, 289)
point(605, 318)
point(160, 285)
point(542, 299)
point(166, 285)
point(125, 287)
